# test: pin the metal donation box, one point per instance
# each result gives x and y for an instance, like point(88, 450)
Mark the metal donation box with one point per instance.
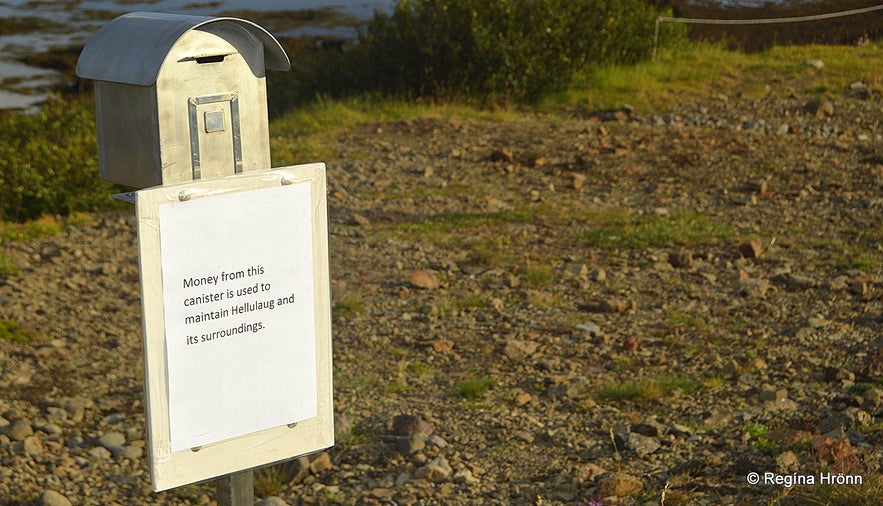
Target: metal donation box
point(233, 254)
point(180, 98)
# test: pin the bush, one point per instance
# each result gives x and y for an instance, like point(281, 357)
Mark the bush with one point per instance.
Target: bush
point(501, 49)
point(49, 164)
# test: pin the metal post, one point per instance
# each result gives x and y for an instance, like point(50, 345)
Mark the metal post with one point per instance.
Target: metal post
point(656, 36)
point(236, 489)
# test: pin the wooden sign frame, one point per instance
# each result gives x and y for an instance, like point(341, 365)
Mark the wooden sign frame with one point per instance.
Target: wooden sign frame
point(169, 468)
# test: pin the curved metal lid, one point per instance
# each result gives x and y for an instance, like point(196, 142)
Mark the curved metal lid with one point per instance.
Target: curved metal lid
point(131, 48)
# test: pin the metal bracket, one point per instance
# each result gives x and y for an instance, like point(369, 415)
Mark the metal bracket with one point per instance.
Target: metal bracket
point(193, 102)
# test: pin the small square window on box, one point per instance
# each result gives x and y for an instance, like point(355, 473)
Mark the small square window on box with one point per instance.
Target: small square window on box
point(214, 121)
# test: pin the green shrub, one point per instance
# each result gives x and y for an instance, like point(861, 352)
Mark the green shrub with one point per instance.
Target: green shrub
point(48, 163)
point(502, 49)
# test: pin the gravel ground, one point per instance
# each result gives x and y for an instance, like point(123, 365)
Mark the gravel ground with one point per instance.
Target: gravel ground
point(612, 308)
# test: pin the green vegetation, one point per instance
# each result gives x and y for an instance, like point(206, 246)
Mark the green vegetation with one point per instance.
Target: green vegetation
point(471, 389)
point(33, 229)
point(686, 227)
point(348, 307)
point(15, 332)
point(418, 368)
point(538, 276)
point(493, 51)
point(646, 389)
point(7, 266)
point(48, 163)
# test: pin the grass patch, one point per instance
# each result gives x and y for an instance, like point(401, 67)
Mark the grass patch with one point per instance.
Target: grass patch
point(680, 320)
point(348, 307)
point(418, 368)
point(32, 229)
point(15, 332)
point(859, 252)
point(538, 276)
point(684, 228)
point(704, 69)
point(648, 389)
point(7, 266)
point(491, 251)
point(756, 429)
point(471, 301)
point(870, 491)
point(471, 389)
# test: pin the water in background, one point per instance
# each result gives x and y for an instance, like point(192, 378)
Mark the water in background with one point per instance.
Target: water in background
point(59, 25)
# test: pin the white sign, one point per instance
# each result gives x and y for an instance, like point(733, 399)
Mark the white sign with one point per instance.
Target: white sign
point(238, 299)
point(237, 333)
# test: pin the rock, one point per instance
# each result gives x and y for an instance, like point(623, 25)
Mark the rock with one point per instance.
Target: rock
point(680, 258)
point(578, 181)
point(612, 306)
point(442, 345)
point(751, 287)
point(619, 484)
point(599, 275)
point(361, 220)
point(110, 440)
point(274, 501)
point(343, 425)
point(773, 395)
point(403, 478)
point(320, 463)
point(642, 445)
point(859, 288)
point(650, 428)
point(296, 470)
point(465, 477)
point(801, 282)
point(519, 350)
point(590, 328)
point(820, 108)
point(818, 322)
point(576, 270)
point(858, 90)
point(836, 421)
point(18, 430)
point(787, 462)
point(501, 155)
point(31, 446)
point(424, 279)
point(630, 344)
point(76, 407)
point(872, 401)
point(751, 249)
point(435, 440)
point(436, 470)
point(815, 63)
point(129, 452)
point(406, 445)
point(100, 453)
point(411, 425)
point(53, 498)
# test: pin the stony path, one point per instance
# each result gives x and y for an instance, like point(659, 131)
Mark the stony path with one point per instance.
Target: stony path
point(542, 311)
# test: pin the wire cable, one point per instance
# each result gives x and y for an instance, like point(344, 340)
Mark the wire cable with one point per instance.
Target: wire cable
point(767, 21)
